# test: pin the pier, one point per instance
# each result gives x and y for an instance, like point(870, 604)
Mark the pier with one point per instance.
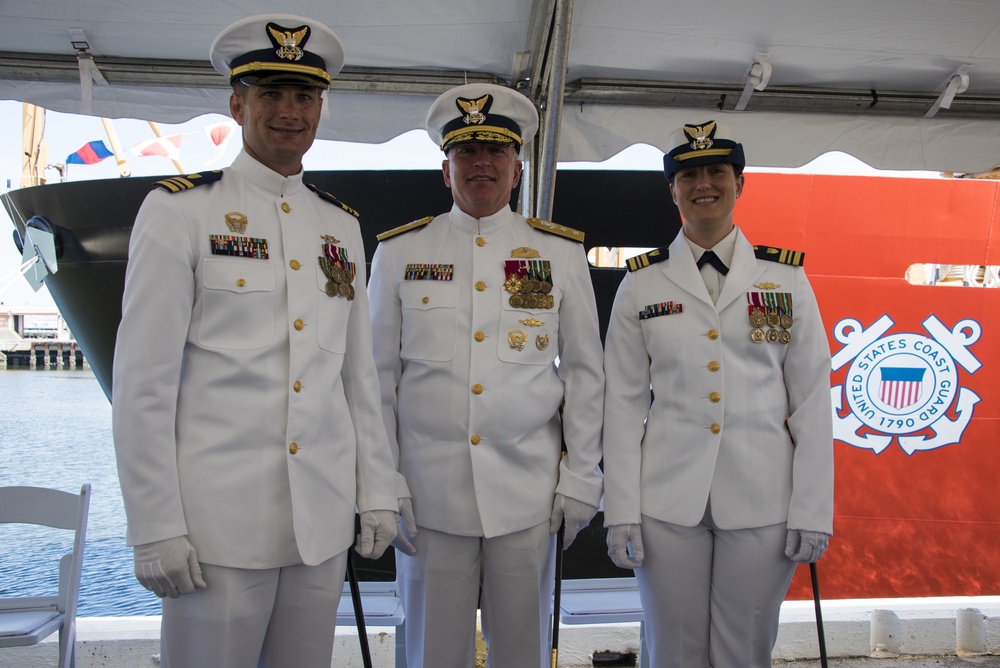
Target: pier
point(37, 338)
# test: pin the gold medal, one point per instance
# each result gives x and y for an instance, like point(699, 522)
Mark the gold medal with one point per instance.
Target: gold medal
point(550, 301)
point(772, 336)
point(545, 287)
point(757, 335)
point(516, 301)
point(785, 336)
point(757, 318)
point(786, 321)
point(350, 293)
point(773, 319)
point(344, 290)
point(331, 289)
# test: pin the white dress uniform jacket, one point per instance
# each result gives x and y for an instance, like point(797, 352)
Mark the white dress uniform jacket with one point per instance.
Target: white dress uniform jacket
point(245, 399)
point(695, 409)
point(473, 421)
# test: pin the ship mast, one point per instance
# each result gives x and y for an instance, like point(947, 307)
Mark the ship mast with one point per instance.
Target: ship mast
point(34, 154)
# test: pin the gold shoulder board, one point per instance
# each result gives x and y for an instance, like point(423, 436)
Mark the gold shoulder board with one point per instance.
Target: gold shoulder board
point(646, 259)
point(771, 254)
point(552, 228)
point(178, 183)
point(327, 197)
point(404, 228)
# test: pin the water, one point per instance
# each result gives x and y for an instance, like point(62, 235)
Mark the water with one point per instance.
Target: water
point(55, 431)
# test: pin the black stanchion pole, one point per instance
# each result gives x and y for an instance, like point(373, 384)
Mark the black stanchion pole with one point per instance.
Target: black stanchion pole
point(556, 598)
point(359, 613)
point(819, 615)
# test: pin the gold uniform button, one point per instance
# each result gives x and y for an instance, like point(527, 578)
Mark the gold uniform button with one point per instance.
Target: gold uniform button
point(715, 428)
point(299, 325)
point(713, 366)
point(477, 389)
point(293, 448)
point(480, 286)
point(715, 397)
point(297, 386)
point(479, 337)
point(285, 207)
point(475, 439)
point(713, 334)
point(480, 242)
point(294, 264)
point(240, 282)
point(426, 300)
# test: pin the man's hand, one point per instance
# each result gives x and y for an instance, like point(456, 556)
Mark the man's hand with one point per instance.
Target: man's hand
point(805, 547)
point(378, 529)
point(575, 514)
point(619, 538)
point(407, 528)
point(168, 567)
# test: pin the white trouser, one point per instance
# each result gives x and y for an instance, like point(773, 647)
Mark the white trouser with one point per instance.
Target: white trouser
point(440, 588)
point(271, 618)
point(712, 597)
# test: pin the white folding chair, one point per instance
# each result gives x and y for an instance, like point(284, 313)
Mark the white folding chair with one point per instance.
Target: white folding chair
point(27, 620)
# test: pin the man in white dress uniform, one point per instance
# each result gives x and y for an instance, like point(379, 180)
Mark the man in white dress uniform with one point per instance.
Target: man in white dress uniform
point(485, 323)
point(718, 445)
point(246, 411)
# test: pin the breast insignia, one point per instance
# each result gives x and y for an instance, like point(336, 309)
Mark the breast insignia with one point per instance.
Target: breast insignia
point(178, 183)
point(646, 259)
point(404, 228)
point(323, 195)
point(780, 255)
point(552, 228)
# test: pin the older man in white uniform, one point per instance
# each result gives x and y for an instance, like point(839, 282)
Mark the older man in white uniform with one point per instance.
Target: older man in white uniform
point(246, 412)
point(718, 441)
point(485, 324)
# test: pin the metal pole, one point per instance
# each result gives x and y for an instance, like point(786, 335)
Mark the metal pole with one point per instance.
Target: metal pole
point(558, 56)
point(359, 613)
point(819, 614)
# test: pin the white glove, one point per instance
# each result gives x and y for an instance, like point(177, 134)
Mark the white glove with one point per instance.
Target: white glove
point(378, 529)
point(168, 567)
point(619, 537)
point(805, 546)
point(407, 528)
point(576, 514)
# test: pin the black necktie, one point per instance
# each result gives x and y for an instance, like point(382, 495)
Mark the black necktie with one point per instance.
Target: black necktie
point(711, 258)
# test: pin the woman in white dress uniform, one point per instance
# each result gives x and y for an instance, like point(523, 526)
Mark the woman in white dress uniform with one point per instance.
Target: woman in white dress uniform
point(718, 445)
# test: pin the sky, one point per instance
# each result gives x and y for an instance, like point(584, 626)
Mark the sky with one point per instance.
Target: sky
point(65, 133)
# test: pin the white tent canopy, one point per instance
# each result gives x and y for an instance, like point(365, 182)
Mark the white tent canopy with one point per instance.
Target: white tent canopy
point(900, 84)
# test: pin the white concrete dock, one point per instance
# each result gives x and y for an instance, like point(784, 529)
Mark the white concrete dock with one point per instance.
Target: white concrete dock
point(869, 633)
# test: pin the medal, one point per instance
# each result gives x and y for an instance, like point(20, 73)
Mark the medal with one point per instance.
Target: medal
point(772, 336)
point(784, 337)
point(757, 318)
point(786, 321)
point(757, 335)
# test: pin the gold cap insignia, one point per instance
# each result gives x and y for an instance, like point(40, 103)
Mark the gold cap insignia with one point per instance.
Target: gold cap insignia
point(236, 222)
point(289, 42)
point(475, 110)
point(700, 135)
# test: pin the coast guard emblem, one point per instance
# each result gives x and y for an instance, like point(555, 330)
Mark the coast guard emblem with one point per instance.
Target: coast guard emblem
point(474, 110)
point(289, 43)
point(902, 386)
